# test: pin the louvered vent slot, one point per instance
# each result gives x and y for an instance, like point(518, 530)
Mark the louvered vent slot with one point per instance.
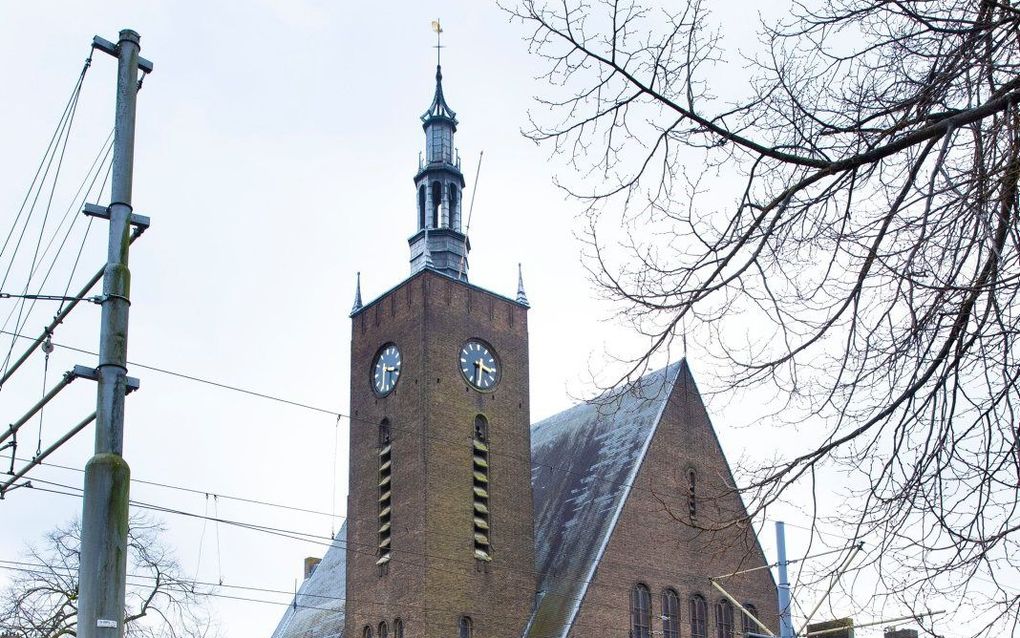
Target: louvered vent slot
point(480, 490)
point(385, 494)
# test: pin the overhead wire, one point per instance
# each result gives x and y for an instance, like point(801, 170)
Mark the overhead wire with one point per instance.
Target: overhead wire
point(417, 432)
point(64, 135)
point(351, 546)
point(42, 162)
point(352, 419)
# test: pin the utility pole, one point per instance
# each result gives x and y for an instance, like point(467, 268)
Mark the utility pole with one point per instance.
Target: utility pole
point(785, 620)
point(103, 564)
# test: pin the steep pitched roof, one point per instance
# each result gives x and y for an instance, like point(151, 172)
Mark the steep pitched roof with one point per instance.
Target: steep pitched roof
point(317, 610)
point(583, 462)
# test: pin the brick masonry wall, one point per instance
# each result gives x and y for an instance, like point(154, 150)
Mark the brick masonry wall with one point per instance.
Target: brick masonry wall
point(655, 544)
point(433, 578)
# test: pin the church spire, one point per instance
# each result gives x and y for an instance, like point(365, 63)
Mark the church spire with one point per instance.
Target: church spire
point(439, 243)
point(521, 297)
point(357, 296)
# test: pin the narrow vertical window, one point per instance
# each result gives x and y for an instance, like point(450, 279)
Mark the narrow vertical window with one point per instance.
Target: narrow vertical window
point(746, 624)
point(384, 631)
point(466, 629)
point(670, 614)
point(724, 619)
point(480, 488)
point(366, 632)
point(640, 612)
point(398, 628)
point(437, 200)
point(421, 207)
point(385, 493)
point(699, 625)
point(453, 207)
point(692, 494)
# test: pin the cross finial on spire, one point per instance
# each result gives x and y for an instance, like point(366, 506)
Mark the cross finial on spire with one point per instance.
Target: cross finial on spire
point(357, 296)
point(521, 297)
point(438, 28)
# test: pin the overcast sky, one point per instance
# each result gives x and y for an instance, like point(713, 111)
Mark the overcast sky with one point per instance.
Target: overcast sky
point(276, 147)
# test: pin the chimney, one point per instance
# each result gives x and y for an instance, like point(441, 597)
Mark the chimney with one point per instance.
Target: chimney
point(892, 632)
point(311, 563)
point(838, 628)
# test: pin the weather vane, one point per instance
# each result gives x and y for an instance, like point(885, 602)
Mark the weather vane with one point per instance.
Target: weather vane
point(438, 28)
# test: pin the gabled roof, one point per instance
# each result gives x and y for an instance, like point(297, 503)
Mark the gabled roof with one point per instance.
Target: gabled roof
point(317, 610)
point(583, 462)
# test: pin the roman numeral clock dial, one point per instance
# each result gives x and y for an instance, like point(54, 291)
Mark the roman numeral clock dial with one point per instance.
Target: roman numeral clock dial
point(479, 365)
point(386, 370)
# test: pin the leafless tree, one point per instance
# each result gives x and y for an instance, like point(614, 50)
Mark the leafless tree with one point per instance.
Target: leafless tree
point(834, 215)
point(41, 600)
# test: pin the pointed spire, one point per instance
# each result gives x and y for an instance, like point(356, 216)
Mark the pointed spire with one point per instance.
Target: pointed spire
point(521, 297)
point(357, 296)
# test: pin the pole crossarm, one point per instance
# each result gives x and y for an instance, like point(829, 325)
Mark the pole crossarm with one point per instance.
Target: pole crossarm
point(140, 222)
point(110, 48)
point(742, 609)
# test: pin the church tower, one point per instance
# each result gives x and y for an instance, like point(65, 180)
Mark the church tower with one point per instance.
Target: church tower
point(440, 538)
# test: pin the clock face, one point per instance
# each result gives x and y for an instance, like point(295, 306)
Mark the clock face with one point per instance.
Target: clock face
point(386, 370)
point(479, 365)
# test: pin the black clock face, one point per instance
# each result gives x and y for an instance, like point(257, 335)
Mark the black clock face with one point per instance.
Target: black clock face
point(386, 370)
point(479, 365)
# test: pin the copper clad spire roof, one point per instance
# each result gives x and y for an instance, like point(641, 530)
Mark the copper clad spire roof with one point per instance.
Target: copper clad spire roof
point(439, 108)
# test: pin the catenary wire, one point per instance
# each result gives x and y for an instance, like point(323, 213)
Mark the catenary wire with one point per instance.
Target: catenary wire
point(352, 419)
point(325, 541)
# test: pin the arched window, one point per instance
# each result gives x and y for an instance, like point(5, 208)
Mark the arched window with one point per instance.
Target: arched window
point(366, 632)
point(670, 614)
point(746, 624)
point(385, 497)
point(699, 625)
point(437, 199)
point(640, 612)
point(453, 206)
point(398, 628)
point(724, 619)
point(692, 495)
point(421, 207)
point(480, 488)
point(384, 631)
point(466, 628)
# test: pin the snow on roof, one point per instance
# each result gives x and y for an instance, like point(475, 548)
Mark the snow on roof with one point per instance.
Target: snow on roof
point(317, 610)
point(583, 461)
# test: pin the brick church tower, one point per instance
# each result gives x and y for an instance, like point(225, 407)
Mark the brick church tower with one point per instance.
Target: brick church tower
point(440, 539)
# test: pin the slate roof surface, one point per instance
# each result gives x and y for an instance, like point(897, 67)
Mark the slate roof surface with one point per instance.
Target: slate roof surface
point(583, 461)
point(317, 610)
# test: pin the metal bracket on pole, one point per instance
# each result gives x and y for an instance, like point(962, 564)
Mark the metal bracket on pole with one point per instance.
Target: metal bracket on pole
point(85, 372)
point(141, 222)
point(110, 48)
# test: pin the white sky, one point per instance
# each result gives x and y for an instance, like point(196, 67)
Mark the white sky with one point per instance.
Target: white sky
point(276, 146)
